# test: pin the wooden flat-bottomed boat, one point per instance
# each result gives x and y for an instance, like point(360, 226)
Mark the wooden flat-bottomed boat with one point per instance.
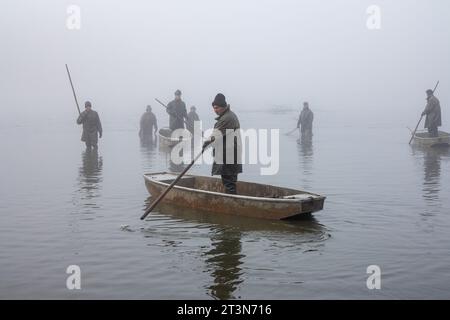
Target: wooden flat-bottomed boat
point(423, 139)
point(252, 199)
point(166, 139)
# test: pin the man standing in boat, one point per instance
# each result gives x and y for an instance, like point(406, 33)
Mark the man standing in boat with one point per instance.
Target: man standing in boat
point(305, 121)
point(177, 112)
point(148, 125)
point(226, 127)
point(433, 114)
point(92, 127)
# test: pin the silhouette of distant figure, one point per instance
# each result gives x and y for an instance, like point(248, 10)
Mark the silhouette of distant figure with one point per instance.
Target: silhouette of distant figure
point(92, 127)
point(148, 125)
point(177, 112)
point(191, 118)
point(433, 113)
point(305, 121)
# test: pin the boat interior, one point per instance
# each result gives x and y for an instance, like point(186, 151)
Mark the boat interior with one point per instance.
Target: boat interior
point(243, 188)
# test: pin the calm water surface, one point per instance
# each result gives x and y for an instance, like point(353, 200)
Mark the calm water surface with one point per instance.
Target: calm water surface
point(387, 204)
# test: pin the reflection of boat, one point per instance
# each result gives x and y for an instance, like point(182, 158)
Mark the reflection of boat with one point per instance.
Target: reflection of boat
point(308, 227)
point(432, 158)
point(166, 138)
point(223, 252)
point(253, 199)
point(423, 139)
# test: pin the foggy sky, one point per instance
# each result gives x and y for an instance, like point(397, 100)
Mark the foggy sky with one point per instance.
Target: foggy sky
point(260, 54)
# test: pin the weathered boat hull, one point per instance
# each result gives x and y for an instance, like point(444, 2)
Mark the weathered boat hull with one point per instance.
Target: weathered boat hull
point(423, 139)
point(269, 203)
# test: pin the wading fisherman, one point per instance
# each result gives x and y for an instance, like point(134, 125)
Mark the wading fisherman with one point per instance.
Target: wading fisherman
point(92, 127)
point(192, 116)
point(305, 120)
point(433, 114)
point(148, 125)
point(177, 112)
point(226, 128)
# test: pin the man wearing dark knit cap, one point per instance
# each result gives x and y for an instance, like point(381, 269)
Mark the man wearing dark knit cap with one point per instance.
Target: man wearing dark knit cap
point(177, 112)
point(92, 127)
point(226, 127)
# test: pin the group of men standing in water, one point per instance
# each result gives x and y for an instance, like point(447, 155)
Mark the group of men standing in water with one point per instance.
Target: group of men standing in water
point(226, 120)
point(178, 117)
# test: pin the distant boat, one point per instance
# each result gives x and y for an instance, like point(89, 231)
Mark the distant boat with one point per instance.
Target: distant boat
point(166, 139)
point(423, 139)
point(253, 199)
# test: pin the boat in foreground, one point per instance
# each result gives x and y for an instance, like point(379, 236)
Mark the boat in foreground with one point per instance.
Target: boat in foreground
point(423, 139)
point(253, 199)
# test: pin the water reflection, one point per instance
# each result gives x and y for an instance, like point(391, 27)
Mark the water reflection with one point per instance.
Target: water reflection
point(306, 159)
point(432, 158)
point(170, 164)
point(149, 154)
point(224, 262)
point(89, 179)
point(148, 141)
point(224, 258)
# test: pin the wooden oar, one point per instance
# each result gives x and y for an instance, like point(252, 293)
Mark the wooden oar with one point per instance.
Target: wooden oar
point(421, 116)
point(73, 90)
point(180, 118)
point(414, 132)
point(162, 195)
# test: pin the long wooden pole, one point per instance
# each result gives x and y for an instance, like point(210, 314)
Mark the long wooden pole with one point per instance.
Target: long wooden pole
point(162, 195)
point(414, 132)
point(73, 90)
point(421, 116)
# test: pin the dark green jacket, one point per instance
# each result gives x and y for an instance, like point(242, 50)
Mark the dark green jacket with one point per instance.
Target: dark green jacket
point(433, 112)
point(177, 112)
point(306, 120)
point(91, 126)
point(222, 165)
point(148, 124)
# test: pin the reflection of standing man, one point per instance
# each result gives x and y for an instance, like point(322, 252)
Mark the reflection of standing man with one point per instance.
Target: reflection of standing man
point(92, 127)
point(177, 112)
point(89, 181)
point(225, 262)
point(433, 113)
point(148, 124)
point(305, 121)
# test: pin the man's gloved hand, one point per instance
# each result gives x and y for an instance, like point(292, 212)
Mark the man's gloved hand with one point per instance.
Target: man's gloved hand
point(208, 142)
